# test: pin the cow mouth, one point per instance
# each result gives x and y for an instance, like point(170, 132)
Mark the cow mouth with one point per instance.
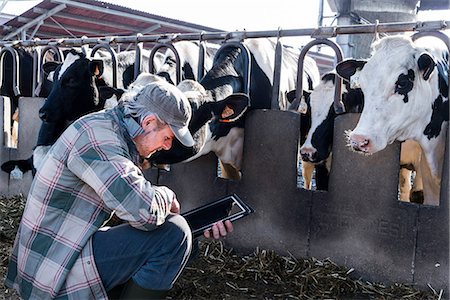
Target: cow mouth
point(360, 146)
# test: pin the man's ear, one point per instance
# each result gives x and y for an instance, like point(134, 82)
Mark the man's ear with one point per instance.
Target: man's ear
point(348, 67)
point(148, 122)
point(231, 108)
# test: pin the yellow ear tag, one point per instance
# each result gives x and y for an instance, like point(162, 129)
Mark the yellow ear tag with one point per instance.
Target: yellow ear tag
point(227, 112)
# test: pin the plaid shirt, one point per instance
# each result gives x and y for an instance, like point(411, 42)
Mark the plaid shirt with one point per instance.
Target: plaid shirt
point(89, 172)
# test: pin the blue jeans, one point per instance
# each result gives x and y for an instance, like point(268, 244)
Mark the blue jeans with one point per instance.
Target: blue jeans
point(153, 259)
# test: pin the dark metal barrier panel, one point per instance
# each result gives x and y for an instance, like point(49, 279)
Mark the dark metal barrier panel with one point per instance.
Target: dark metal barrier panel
point(432, 254)
point(361, 224)
point(269, 185)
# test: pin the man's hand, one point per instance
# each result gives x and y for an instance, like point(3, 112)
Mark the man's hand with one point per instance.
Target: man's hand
point(218, 230)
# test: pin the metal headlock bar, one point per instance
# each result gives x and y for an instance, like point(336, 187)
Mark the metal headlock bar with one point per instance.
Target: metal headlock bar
point(138, 60)
point(277, 74)
point(15, 67)
point(111, 51)
point(338, 106)
point(322, 35)
point(246, 63)
point(205, 36)
point(201, 59)
point(175, 52)
point(38, 61)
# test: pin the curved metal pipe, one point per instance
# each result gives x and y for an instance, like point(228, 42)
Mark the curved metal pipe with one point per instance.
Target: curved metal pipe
point(277, 75)
point(247, 61)
point(111, 51)
point(137, 63)
point(15, 65)
point(201, 60)
point(338, 106)
point(175, 52)
point(37, 66)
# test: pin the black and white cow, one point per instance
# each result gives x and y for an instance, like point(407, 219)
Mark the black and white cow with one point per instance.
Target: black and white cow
point(406, 97)
point(317, 147)
point(219, 110)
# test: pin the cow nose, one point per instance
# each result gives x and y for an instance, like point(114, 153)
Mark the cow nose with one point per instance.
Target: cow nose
point(359, 142)
point(308, 154)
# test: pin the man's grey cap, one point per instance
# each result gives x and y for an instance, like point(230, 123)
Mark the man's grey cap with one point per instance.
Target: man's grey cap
point(171, 106)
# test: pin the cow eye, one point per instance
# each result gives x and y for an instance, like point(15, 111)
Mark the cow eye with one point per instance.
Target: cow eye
point(405, 83)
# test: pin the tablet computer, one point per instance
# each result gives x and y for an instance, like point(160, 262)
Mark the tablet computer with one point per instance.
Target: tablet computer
point(230, 207)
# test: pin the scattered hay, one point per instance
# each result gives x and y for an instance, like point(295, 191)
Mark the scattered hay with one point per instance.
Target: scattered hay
point(220, 273)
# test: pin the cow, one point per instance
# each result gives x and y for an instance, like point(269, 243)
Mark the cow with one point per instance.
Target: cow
point(317, 147)
point(222, 103)
point(406, 97)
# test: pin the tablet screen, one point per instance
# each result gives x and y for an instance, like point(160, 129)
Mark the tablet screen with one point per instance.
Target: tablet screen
point(227, 208)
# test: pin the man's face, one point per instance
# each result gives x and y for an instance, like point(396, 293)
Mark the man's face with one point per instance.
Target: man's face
point(156, 137)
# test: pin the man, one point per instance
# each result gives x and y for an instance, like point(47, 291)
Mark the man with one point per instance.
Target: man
point(91, 171)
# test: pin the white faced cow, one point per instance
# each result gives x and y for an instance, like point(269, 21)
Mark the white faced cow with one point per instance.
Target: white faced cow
point(218, 116)
point(318, 145)
point(406, 97)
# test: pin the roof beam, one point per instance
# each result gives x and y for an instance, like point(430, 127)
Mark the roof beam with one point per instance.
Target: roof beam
point(125, 14)
point(65, 27)
point(35, 21)
point(78, 18)
point(150, 29)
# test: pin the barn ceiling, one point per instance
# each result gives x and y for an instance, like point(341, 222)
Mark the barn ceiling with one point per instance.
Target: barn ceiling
point(55, 19)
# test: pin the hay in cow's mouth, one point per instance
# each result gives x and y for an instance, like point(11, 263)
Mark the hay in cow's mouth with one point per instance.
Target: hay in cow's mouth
point(220, 273)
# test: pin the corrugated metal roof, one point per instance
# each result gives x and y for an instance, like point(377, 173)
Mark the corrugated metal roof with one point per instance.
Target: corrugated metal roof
point(54, 19)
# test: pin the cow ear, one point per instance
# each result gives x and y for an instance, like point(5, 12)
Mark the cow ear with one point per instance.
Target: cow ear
point(231, 108)
point(426, 64)
point(96, 67)
point(348, 67)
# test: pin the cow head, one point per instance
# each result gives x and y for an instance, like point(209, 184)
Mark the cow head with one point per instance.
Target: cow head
point(400, 85)
point(319, 141)
point(74, 92)
point(211, 121)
